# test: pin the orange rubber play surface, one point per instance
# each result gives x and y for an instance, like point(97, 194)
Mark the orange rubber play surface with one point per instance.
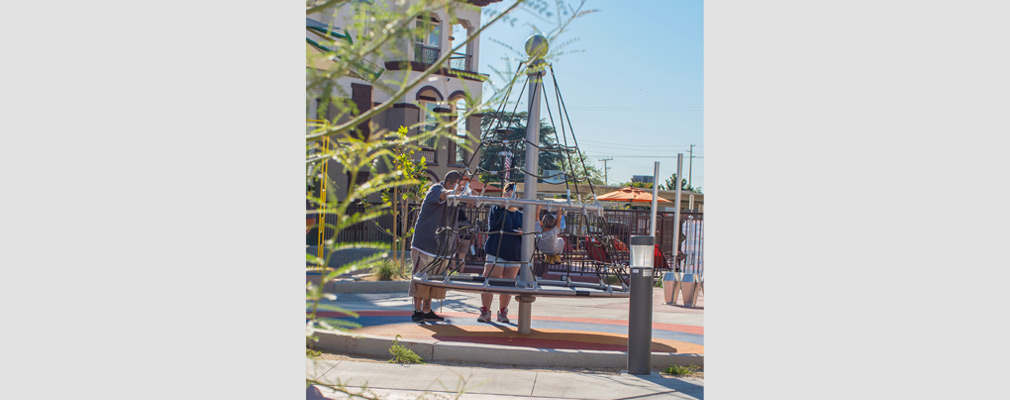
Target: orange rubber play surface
point(500, 334)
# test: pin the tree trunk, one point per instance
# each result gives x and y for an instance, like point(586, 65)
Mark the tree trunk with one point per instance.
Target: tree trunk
point(395, 232)
point(403, 243)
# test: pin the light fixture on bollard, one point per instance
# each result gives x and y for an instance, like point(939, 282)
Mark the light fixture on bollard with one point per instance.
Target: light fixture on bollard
point(640, 305)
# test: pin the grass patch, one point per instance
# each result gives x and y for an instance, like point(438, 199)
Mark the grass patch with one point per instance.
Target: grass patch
point(678, 370)
point(387, 269)
point(403, 355)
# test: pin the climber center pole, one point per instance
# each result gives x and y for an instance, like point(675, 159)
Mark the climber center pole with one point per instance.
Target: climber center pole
point(536, 48)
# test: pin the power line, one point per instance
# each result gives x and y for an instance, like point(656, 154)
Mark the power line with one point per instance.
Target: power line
point(630, 156)
point(627, 144)
point(591, 146)
point(604, 108)
point(663, 111)
point(634, 147)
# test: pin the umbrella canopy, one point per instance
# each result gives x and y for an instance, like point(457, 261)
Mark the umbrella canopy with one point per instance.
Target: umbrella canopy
point(477, 186)
point(630, 194)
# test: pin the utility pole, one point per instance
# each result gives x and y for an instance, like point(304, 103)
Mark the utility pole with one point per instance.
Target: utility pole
point(690, 161)
point(605, 168)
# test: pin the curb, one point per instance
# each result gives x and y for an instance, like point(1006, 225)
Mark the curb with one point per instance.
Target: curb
point(434, 350)
point(367, 286)
point(351, 286)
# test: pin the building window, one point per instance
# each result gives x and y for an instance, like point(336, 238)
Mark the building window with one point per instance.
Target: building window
point(460, 60)
point(430, 123)
point(427, 40)
point(459, 156)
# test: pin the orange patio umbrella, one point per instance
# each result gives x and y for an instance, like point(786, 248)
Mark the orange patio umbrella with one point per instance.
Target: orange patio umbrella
point(476, 186)
point(631, 194)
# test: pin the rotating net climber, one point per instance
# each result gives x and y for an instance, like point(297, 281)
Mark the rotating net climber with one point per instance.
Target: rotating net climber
point(474, 217)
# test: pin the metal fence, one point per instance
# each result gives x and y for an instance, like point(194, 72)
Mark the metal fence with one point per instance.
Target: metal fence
point(620, 224)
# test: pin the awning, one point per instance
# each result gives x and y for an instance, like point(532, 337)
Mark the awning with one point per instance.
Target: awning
point(320, 57)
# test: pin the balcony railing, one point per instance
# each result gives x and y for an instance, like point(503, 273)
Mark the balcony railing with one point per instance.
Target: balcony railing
point(460, 61)
point(426, 54)
point(429, 156)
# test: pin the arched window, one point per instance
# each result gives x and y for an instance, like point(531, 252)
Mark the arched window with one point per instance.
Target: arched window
point(459, 155)
point(428, 100)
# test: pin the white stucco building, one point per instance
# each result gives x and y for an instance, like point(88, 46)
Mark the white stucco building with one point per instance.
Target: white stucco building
point(441, 93)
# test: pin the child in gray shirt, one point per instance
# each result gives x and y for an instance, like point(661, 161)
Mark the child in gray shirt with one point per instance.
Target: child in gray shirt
point(551, 243)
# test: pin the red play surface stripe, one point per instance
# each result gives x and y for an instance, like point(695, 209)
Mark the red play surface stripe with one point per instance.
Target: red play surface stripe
point(699, 330)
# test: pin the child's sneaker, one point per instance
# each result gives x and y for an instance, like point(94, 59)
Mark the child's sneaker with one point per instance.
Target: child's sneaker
point(503, 315)
point(485, 315)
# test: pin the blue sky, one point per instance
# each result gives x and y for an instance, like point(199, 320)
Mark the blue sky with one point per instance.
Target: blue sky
point(634, 89)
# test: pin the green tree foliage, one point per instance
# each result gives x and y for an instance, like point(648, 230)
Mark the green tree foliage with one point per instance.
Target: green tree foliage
point(512, 128)
point(336, 139)
point(410, 172)
point(671, 184)
point(594, 173)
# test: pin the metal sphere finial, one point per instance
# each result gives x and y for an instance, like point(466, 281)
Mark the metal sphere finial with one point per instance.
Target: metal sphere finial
point(536, 46)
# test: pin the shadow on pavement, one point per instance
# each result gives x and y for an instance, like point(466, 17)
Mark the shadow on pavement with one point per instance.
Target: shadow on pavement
point(509, 336)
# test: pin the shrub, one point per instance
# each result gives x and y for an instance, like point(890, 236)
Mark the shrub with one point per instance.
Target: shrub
point(403, 355)
point(679, 370)
point(388, 269)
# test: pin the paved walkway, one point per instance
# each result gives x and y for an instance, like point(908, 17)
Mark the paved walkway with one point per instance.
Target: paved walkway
point(395, 381)
point(559, 323)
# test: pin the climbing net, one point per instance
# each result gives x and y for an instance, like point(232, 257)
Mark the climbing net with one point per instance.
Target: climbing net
point(471, 215)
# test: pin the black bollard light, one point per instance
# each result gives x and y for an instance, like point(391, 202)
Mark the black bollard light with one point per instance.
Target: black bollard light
point(640, 306)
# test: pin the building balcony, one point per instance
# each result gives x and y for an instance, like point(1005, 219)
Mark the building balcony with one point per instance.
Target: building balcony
point(429, 156)
point(459, 66)
point(425, 54)
point(460, 61)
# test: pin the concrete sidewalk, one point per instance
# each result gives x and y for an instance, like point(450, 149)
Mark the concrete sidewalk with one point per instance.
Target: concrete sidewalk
point(395, 381)
point(568, 334)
